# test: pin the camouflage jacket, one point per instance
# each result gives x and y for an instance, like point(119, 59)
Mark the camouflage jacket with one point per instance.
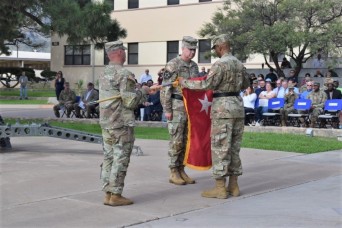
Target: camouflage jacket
point(318, 98)
point(290, 99)
point(67, 97)
point(226, 75)
point(118, 81)
point(174, 68)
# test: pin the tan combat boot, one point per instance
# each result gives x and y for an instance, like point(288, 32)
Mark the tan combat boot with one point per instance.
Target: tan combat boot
point(118, 200)
point(233, 187)
point(107, 198)
point(175, 177)
point(218, 192)
point(185, 177)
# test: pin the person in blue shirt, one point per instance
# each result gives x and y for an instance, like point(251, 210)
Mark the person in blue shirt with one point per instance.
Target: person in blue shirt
point(306, 93)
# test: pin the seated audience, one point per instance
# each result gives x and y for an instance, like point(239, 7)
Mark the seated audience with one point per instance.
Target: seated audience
point(202, 73)
point(90, 95)
point(66, 101)
point(289, 100)
point(332, 93)
point(263, 103)
point(153, 107)
point(249, 98)
point(318, 99)
point(309, 87)
point(318, 74)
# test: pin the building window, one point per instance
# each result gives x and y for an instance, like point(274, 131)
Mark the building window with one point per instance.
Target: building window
point(204, 0)
point(77, 55)
point(133, 53)
point(172, 2)
point(110, 3)
point(133, 4)
point(172, 49)
point(105, 57)
point(204, 47)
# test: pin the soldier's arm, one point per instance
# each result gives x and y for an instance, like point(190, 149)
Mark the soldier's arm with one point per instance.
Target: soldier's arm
point(213, 79)
point(131, 98)
point(170, 75)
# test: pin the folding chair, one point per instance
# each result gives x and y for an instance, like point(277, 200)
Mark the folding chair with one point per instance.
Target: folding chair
point(62, 110)
point(332, 110)
point(302, 107)
point(273, 118)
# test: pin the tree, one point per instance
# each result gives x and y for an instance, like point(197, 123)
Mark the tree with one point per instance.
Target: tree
point(299, 28)
point(83, 21)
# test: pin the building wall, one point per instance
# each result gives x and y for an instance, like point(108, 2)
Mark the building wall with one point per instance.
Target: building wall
point(151, 26)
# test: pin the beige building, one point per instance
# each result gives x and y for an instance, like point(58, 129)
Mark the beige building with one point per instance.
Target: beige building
point(155, 29)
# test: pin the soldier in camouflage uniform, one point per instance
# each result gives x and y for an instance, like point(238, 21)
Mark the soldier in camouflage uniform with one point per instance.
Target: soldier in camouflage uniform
point(289, 98)
point(67, 98)
point(227, 78)
point(318, 98)
point(117, 122)
point(175, 113)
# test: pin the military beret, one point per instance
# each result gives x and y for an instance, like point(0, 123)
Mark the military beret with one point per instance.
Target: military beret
point(189, 42)
point(224, 38)
point(111, 46)
point(317, 84)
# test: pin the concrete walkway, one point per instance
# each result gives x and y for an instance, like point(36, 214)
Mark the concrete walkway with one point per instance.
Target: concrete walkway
point(48, 182)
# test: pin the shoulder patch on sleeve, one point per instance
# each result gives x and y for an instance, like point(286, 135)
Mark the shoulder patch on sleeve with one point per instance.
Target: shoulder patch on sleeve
point(167, 75)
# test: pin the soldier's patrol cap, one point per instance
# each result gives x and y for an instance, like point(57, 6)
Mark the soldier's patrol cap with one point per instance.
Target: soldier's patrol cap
point(317, 84)
point(223, 38)
point(290, 86)
point(111, 46)
point(189, 42)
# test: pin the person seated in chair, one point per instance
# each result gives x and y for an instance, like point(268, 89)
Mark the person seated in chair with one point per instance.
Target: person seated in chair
point(289, 99)
point(318, 98)
point(154, 109)
point(67, 99)
point(90, 95)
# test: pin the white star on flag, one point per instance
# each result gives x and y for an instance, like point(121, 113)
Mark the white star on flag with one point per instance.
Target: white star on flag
point(205, 104)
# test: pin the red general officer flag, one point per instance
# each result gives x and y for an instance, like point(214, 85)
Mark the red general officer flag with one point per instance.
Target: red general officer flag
point(198, 148)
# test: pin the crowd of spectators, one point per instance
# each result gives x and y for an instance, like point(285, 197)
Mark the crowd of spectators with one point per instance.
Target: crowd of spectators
point(262, 89)
point(256, 97)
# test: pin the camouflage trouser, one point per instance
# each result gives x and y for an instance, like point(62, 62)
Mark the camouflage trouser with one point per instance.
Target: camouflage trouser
point(284, 112)
point(117, 149)
point(226, 137)
point(69, 107)
point(314, 115)
point(178, 136)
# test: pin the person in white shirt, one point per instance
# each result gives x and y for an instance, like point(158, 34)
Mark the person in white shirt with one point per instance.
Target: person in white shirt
point(319, 62)
point(145, 77)
point(249, 98)
point(264, 96)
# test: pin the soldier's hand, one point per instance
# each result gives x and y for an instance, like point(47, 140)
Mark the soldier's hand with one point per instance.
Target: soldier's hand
point(168, 116)
point(180, 80)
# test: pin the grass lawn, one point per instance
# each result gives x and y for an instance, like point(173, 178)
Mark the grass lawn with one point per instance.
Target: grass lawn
point(266, 141)
point(30, 93)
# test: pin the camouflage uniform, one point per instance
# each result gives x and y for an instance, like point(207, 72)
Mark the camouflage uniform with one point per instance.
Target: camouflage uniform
point(318, 100)
point(66, 100)
point(117, 123)
point(171, 99)
point(227, 77)
point(288, 107)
